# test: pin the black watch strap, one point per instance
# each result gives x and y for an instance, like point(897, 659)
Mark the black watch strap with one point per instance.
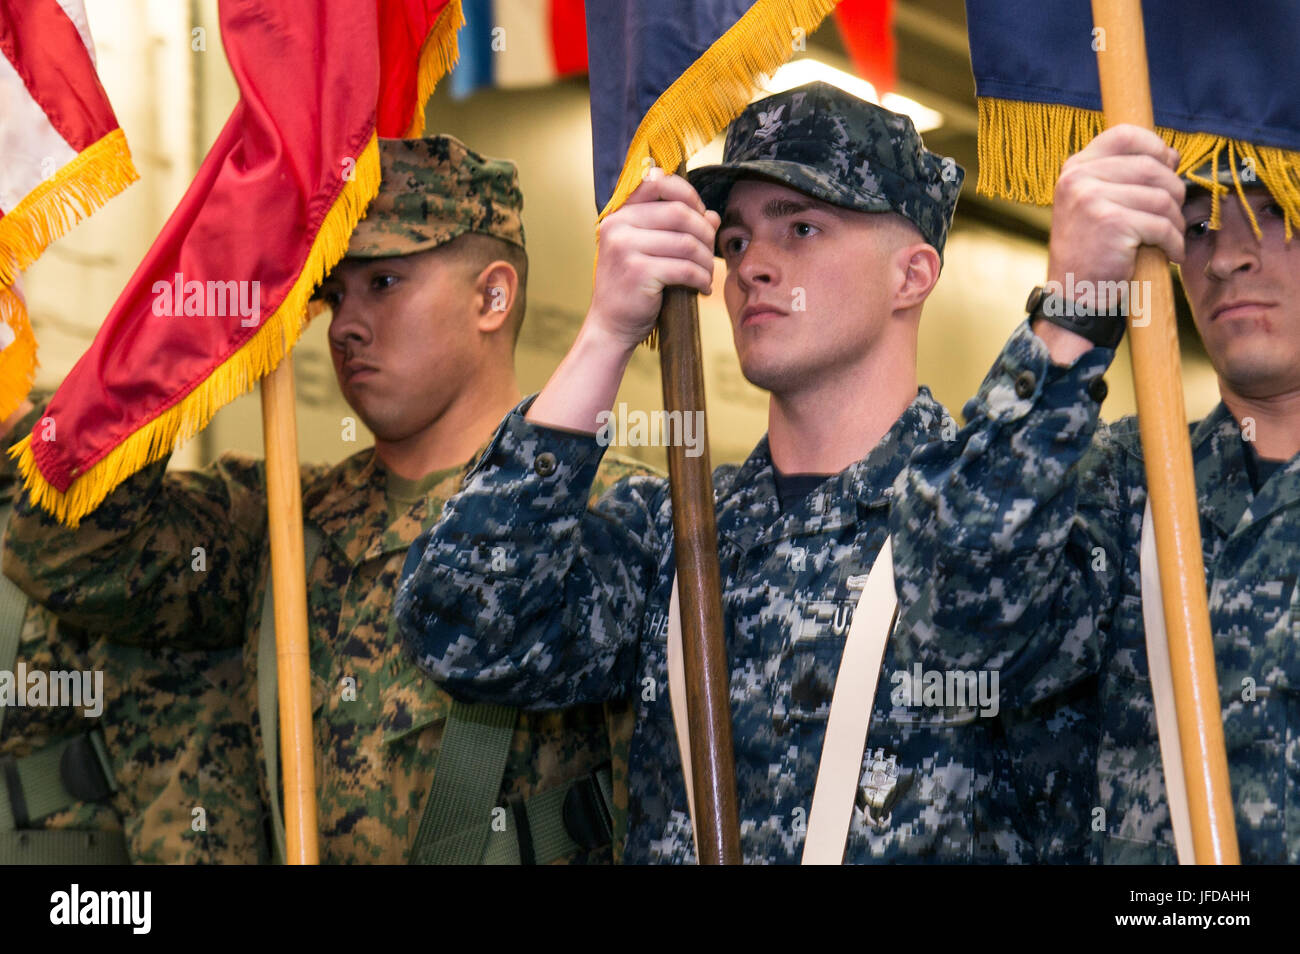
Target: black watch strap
point(1106, 330)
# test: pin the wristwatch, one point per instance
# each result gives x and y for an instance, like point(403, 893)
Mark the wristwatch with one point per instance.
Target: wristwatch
point(1101, 328)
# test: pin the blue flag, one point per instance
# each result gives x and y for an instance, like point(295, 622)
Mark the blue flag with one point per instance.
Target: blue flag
point(1222, 88)
point(474, 67)
point(668, 75)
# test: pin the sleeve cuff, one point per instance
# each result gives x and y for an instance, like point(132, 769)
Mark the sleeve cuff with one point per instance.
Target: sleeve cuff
point(547, 464)
point(1025, 376)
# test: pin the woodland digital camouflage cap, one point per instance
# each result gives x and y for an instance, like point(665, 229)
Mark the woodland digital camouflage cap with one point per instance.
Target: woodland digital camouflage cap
point(833, 146)
point(434, 190)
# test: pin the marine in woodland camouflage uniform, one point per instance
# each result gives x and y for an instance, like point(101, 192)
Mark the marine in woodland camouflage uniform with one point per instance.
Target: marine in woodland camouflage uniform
point(378, 721)
point(579, 613)
point(175, 727)
point(1023, 539)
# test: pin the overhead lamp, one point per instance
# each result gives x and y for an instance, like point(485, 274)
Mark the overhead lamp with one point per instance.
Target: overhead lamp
point(810, 70)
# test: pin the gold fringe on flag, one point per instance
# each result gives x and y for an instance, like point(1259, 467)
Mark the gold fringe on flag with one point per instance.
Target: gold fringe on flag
point(438, 54)
point(716, 88)
point(49, 211)
point(1022, 146)
point(233, 377)
point(18, 359)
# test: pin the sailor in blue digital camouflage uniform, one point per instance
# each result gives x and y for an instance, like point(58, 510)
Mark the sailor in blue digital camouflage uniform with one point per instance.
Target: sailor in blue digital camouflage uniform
point(1023, 536)
point(831, 217)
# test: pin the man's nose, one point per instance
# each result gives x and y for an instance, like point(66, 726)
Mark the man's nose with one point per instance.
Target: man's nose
point(757, 265)
point(1235, 249)
point(349, 324)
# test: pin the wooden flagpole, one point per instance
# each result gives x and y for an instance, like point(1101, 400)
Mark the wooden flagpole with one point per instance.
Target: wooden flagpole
point(289, 579)
point(1162, 421)
point(695, 546)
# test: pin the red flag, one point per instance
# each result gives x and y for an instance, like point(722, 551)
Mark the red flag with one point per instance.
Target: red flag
point(222, 295)
point(64, 157)
point(414, 53)
point(867, 29)
point(569, 37)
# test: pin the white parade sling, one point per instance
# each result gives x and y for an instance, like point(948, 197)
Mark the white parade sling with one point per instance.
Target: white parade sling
point(840, 769)
point(1162, 690)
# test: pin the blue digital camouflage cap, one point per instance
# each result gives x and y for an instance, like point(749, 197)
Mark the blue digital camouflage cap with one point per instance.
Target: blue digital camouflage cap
point(1220, 170)
point(844, 150)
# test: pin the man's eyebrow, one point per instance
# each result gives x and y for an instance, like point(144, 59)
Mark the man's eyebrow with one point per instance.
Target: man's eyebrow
point(783, 206)
point(731, 217)
point(780, 208)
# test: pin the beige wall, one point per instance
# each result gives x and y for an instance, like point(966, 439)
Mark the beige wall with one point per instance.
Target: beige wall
point(172, 100)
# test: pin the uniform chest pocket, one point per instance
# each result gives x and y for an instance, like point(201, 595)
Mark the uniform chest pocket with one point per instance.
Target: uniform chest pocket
point(410, 702)
point(810, 660)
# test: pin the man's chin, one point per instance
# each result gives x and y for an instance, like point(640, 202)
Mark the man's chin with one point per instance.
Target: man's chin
point(390, 429)
point(772, 373)
point(364, 409)
point(1257, 372)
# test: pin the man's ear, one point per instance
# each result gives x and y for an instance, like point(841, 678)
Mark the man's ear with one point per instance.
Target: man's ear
point(495, 289)
point(918, 270)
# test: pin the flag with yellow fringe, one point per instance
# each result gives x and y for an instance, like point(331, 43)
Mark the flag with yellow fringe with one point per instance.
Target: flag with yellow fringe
point(1221, 86)
point(65, 156)
point(222, 294)
point(668, 75)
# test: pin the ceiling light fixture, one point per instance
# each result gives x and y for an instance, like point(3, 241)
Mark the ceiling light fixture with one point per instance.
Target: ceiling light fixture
point(809, 70)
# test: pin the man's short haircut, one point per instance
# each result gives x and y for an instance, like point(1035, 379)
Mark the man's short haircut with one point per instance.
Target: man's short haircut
point(476, 251)
point(907, 225)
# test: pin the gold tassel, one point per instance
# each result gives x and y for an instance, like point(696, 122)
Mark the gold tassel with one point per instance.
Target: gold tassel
point(713, 90)
point(1022, 146)
point(235, 376)
point(438, 55)
point(18, 359)
point(50, 210)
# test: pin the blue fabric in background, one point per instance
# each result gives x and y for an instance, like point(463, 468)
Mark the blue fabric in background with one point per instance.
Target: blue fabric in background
point(473, 69)
point(636, 49)
point(1221, 67)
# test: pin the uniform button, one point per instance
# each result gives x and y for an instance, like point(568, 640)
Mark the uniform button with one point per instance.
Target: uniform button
point(1025, 384)
point(545, 464)
point(1098, 389)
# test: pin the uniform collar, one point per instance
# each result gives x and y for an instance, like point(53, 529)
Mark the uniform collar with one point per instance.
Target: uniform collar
point(745, 497)
point(350, 505)
point(1219, 464)
point(1222, 482)
point(1279, 492)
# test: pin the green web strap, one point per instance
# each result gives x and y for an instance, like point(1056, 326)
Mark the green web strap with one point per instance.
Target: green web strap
point(41, 789)
point(462, 822)
point(13, 610)
point(63, 847)
point(268, 709)
point(458, 812)
point(550, 837)
point(38, 776)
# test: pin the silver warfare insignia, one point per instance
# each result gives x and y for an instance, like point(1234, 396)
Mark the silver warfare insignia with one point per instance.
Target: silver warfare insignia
point(769, 123)
point(880, 787)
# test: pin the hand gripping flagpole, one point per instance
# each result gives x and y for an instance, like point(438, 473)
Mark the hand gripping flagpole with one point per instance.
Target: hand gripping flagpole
point(1162, 422)
point(695, 547)
point(289, 580)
